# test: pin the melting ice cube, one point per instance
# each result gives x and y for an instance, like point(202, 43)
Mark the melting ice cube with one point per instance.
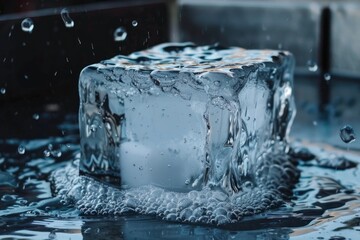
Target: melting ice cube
point(183, 117)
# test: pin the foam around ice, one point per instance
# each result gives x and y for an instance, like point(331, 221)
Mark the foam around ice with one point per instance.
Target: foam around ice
point(274, 180)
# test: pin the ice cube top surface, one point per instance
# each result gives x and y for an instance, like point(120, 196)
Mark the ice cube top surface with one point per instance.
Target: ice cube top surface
point(187, 57)
point(184, 117)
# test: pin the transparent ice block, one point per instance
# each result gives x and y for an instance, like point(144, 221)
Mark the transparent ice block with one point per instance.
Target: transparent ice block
point(184, 117)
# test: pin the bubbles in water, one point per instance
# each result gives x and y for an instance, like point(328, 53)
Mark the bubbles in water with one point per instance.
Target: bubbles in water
point(27, 25)
point(134, 23)
point(327, 76)
point(3, 90)
point(120, 34)
point(36, 116)
point(312, 66)
point(347, 134)
point(69, 23)
point(21, 149)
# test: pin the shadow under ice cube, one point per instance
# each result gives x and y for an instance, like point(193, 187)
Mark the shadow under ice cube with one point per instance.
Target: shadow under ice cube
point(183, 117)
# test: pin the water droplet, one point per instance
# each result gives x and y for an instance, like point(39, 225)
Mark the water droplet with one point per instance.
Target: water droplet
point(312, 66)
point(52, 235)
point(327, 76)
point(56, 153)
point(347, 134)
point(46, 153)
point(69, 23)
point(315, 123)
point(27, 25)
point(21, 149)
point(120, 34)
point(36, 116)
point(134, 23)
point(93, 127)
point(3, 90)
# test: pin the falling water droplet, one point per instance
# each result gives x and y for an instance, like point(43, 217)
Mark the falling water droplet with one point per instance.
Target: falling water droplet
point(69, 23)
point(27, 25)
point(36, 116)
point(347, 134)
point(327, 76)
point(134, 23)
point(21, 149)
point(3, 90)
point(312, 66)
point(120, 34)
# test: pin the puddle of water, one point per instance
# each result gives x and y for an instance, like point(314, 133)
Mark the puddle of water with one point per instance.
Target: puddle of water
point(325, 202)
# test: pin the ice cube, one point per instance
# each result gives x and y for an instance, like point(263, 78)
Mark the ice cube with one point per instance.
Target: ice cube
point(183, 117)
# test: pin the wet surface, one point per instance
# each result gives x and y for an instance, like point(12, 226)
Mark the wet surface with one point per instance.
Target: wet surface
point(325, 203)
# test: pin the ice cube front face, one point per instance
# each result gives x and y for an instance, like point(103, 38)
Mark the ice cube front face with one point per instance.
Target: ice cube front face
point(183, 117)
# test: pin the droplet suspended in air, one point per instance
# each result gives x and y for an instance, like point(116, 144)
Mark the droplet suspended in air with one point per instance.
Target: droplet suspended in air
point(347, 134)
point(312, 66)
point(69, 23)
point(36, 116)
point(27, 25)
point(120, 34)
point(327, 76)
point(3, 90)
point(134, 23)
point(21, 149)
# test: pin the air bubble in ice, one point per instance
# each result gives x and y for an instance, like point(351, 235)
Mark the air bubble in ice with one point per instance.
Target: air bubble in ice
point(347, 134)
point(21, 149)
point(27, 25)
point(120, 34)
point(312, 66)
point(69, 23)
point(134, 23)
point(3, 90)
